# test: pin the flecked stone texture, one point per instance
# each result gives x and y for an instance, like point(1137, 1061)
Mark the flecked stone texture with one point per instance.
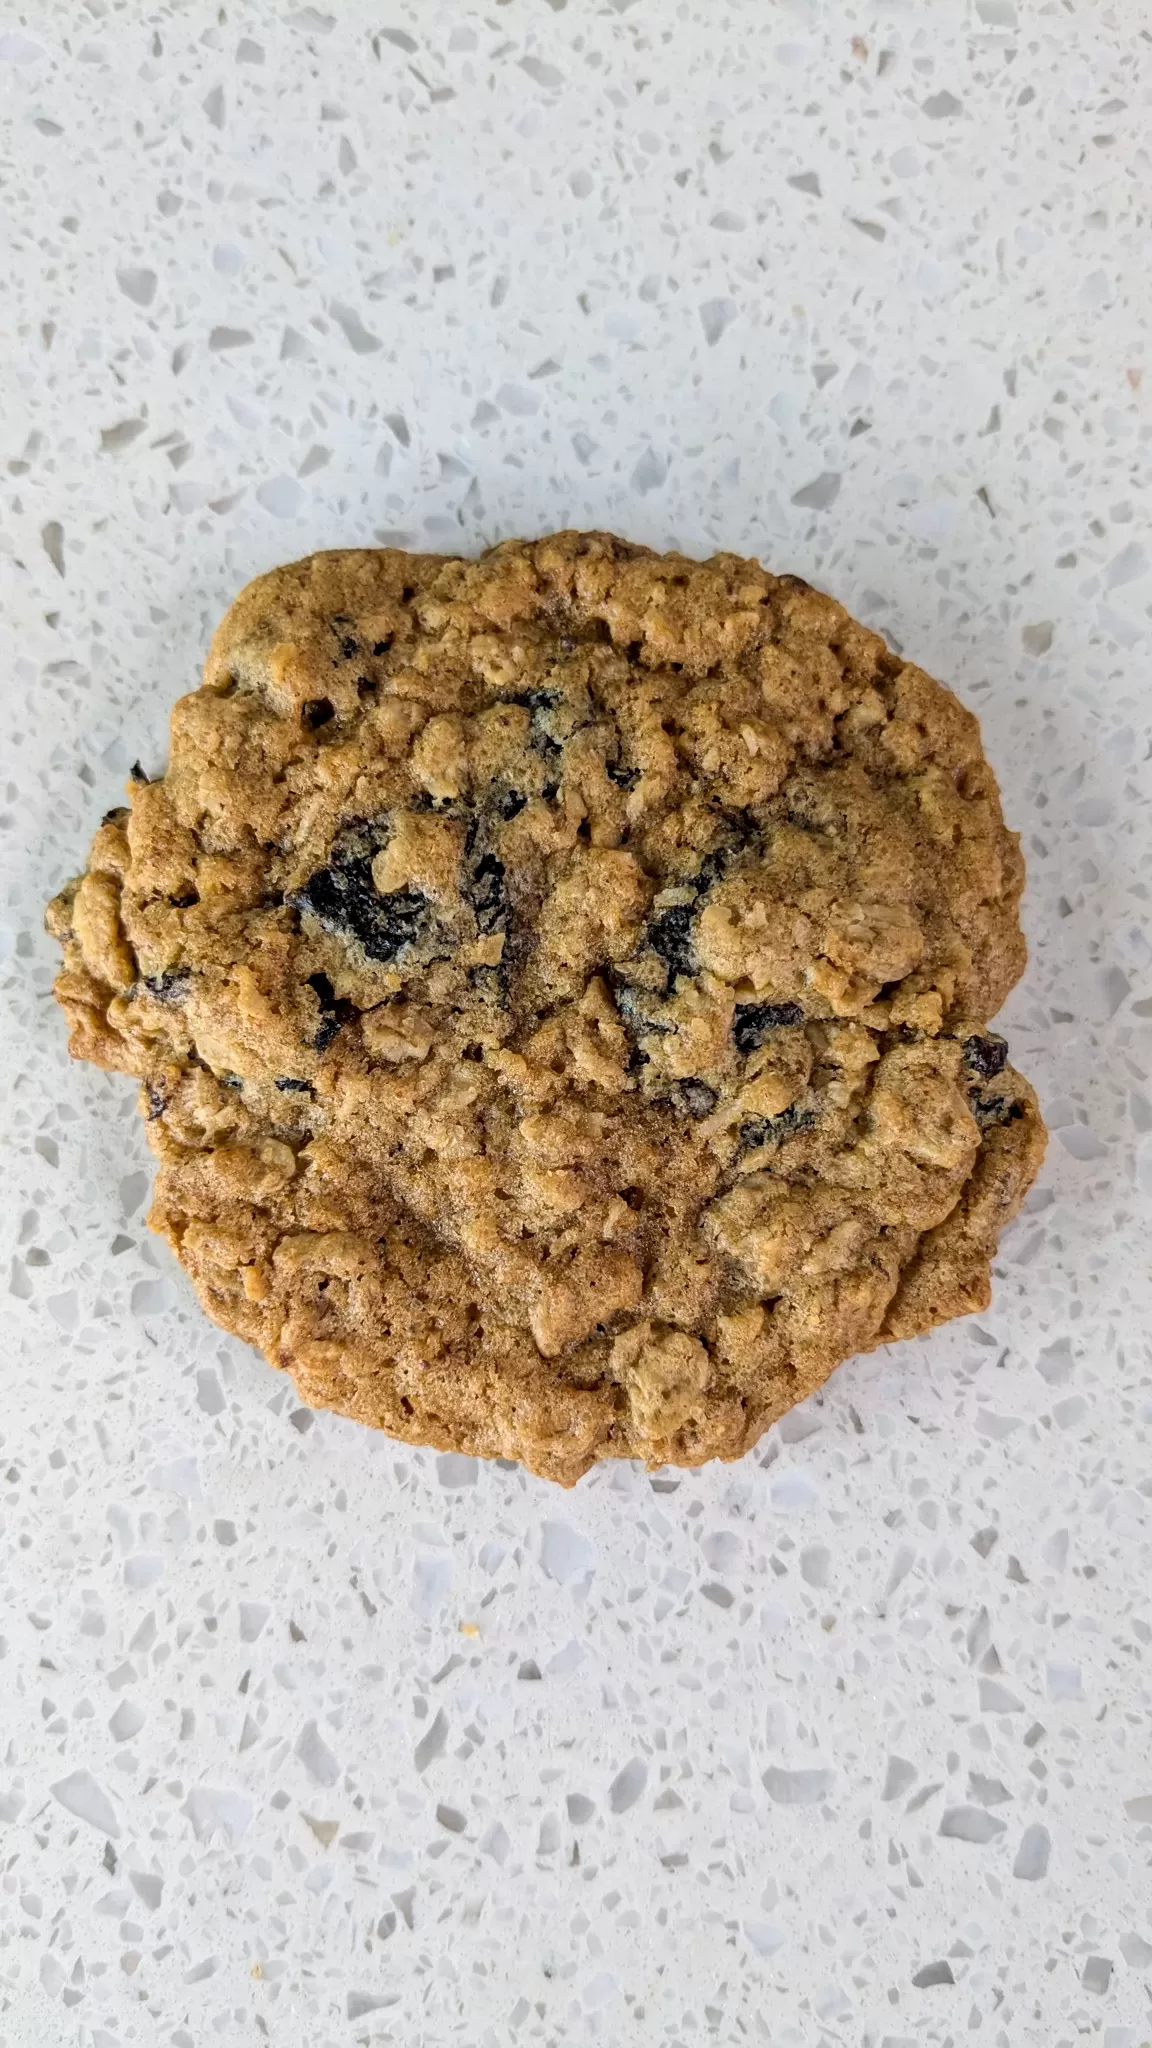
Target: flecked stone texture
point(313, 1739)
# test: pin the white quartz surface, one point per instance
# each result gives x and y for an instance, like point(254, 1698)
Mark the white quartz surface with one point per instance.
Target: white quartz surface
point(311, 1739)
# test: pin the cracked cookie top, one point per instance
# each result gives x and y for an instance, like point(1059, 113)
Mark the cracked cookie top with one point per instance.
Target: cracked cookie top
point(560, 984)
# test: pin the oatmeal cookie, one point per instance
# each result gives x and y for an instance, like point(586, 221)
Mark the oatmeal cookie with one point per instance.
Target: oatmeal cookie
point(560, 987)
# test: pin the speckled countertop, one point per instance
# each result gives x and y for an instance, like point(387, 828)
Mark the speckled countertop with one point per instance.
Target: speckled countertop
point(305, 1737)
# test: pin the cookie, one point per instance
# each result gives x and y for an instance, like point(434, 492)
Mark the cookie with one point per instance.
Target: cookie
point(560, 987)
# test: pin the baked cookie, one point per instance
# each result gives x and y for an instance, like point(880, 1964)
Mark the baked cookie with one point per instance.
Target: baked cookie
point(559, 984)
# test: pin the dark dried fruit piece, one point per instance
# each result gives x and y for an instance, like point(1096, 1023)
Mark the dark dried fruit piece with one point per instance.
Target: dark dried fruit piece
point(712, 868)
point(329, 1028)
point(359, 839)
point(316, 712)
point(288, 1086)
point(742, 829)
point(985, 1057)
point(539, 703)
point(535, 700)
point(487, 893)
point(670, 935)
point(754, 1023)
point(444, 806)
point(171, 987)
point(765, 1130)
point(335, 1011)
point(630, 1003)
point(344, 899)
point(995, 1109)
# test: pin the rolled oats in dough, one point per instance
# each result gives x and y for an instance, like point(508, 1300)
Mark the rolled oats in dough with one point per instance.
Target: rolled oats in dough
point(560, 987)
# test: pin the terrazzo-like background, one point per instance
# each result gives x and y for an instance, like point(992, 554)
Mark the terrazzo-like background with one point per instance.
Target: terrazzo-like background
point(307, 1738)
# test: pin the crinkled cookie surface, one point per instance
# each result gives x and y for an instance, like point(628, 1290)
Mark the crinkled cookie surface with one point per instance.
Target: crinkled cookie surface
point(560, 987)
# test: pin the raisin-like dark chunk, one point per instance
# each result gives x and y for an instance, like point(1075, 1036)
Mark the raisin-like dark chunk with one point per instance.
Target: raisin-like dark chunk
point(316, 712)
point(170, 987)
point(186, 901)
point(137, 773)
point(765, 1130)
point(985, 1057)
point(380, 647)
point(358, 839)
point(756, 1131)
point(995, 1109)
point(335, 1011)
point(539, 703)
point(754, 1023)
point(157, 1102)
point(536, 700)
point(624, 778)
point(116, 816)
point(344, 899)
point(349, 646)
point(288, 1086)
point(329, 1029)
point(712, 868)
point(670, 935)
point(741, 831)
point(511, 803)
point(630, 1003)
point(444, 806)
point(487, 893)
point(696, 1098)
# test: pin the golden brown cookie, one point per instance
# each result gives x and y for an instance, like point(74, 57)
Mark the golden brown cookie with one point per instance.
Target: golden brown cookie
point(560, 986)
